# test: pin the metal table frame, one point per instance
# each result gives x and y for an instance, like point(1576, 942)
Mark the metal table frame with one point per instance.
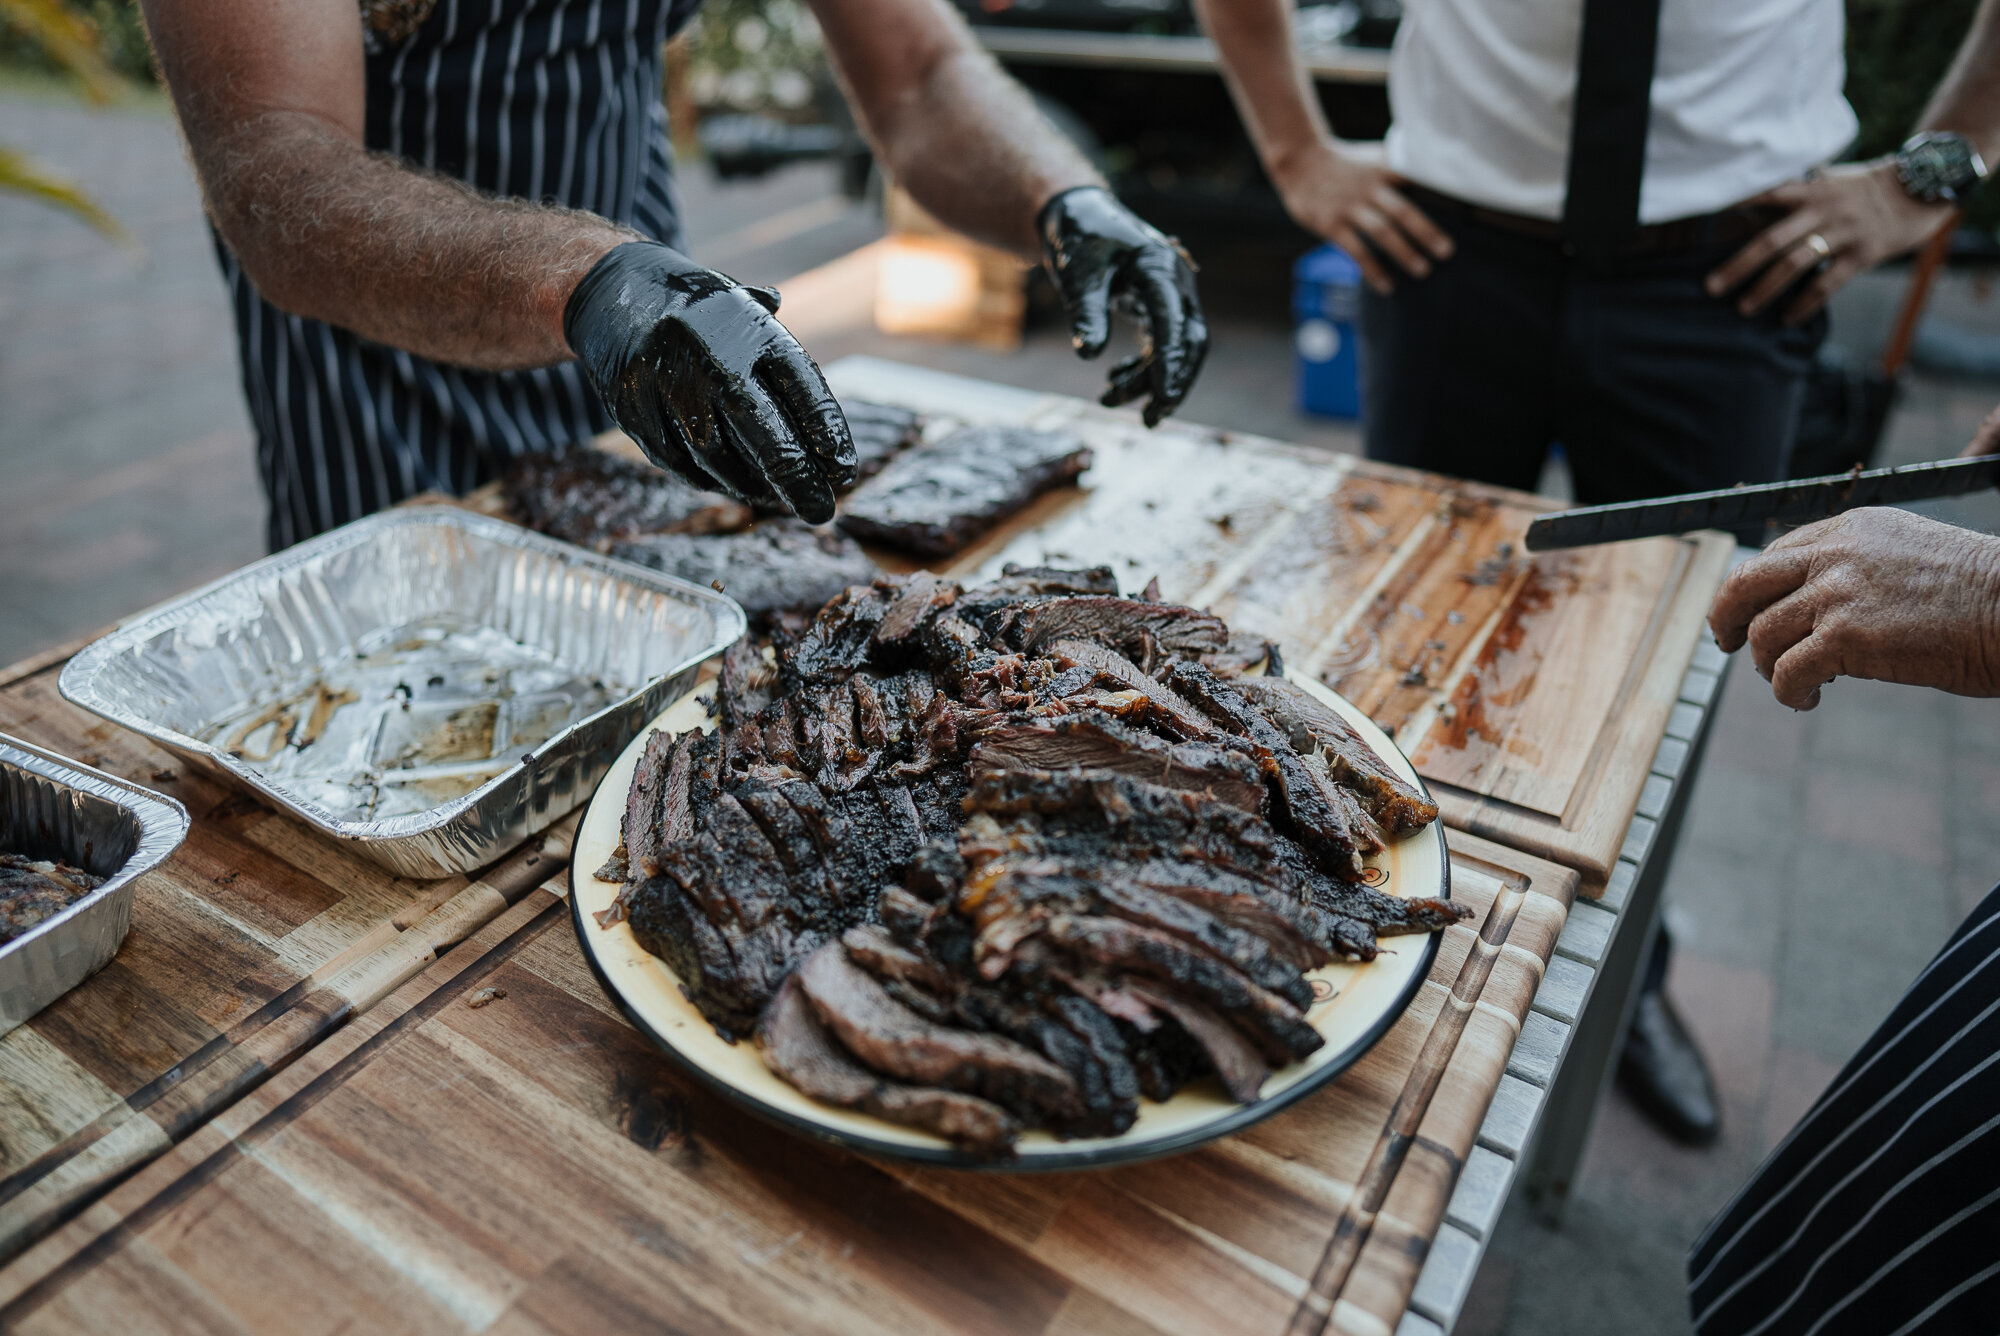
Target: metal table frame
point(1539, 1122)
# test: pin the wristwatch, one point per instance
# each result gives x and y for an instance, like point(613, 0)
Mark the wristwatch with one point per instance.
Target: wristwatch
point(1940, 167)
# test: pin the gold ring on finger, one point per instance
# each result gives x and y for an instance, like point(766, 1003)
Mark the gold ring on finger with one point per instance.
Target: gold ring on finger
point(1817, 244)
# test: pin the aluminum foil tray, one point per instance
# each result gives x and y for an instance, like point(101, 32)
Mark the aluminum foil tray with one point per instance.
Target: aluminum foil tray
point(57, 809)
point(432, 685)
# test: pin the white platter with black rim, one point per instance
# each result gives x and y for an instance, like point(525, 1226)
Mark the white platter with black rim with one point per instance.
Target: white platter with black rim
point(1354, 1004)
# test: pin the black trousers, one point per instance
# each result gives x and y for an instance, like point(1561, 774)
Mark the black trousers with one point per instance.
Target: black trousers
point(1650, 385)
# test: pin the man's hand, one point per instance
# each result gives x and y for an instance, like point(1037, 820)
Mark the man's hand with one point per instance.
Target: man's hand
point(1876, 593)
point(1104, 258)
point(1355, 204)
point(1859, 214)
point(696, 368)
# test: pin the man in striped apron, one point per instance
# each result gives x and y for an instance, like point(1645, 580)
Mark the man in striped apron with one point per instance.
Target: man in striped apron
point(1879, 1214)
point(449, 230)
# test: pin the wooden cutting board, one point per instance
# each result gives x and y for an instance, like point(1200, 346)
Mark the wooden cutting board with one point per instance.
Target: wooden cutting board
point(254, 940)
point(492, 1148)
point(1531, 693)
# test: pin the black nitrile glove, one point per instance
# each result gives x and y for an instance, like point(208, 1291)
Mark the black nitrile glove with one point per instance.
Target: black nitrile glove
point(695, 368)
point(1104, 258)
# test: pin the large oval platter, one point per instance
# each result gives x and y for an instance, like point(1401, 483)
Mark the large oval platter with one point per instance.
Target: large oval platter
point(1354, 1004)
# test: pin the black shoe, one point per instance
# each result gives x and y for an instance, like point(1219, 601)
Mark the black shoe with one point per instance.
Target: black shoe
point(1665, 1073)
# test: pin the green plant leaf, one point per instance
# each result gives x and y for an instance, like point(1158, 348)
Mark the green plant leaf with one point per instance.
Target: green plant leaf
point(70, 39)
point(23, 175)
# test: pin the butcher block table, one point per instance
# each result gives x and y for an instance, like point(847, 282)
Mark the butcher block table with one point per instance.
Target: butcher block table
point(309, 1096)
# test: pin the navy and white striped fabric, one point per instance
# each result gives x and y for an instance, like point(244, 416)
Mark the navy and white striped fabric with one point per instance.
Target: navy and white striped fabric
point(548, 100)
point(1880, 1213)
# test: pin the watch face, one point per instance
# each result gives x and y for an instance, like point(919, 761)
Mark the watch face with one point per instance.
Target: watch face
point(1937, 166)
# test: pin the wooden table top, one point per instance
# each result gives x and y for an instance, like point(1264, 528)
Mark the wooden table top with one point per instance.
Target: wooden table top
point(298, 1100)
point(493, 1148)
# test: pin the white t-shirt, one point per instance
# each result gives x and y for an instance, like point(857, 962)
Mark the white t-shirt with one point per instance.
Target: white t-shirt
point(1746, 94)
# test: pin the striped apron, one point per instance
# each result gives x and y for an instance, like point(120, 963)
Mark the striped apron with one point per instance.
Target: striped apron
point(1879, 1215)
point(551, 100)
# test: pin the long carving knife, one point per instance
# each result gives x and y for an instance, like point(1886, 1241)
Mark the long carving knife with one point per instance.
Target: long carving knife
point(1800, 501)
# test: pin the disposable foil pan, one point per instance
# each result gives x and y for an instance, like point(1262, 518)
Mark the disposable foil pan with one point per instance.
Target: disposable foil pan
point(56, 809)
point(432, 685)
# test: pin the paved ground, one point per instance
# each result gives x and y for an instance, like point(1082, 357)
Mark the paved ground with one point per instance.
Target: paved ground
point(1825, 857)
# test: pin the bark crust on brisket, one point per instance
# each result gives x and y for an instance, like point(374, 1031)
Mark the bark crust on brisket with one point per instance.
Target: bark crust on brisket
point(937, 498)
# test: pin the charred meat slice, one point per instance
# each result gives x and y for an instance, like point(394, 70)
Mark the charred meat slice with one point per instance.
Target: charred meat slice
point(1233, 1057)
point(1277, 1027)
point(881, 432)
point(1245, 905)
point(590, 498)
point(1108, 664)
point(1308, 723)
point(1094, 741)
point(917, 600)
point(1314, 812)
point(779, 565)
point(730, 962)
point(1018, 582)
point(1260, 962)
point(896, 1041)
point(837, 644)
point(747, 687)
point(1390, 915)
point(871, 947)
point(1243, 654)
point(938, 497)
point(1134, 814)
point(35, 890)
point(798, 1048)
point(1126, 625)
point(656, 808)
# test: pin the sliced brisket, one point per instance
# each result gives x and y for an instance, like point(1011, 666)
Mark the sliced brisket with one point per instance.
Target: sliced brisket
point(896, 1041)
point(1308, 724)
point(1094, 741)
point(1126, 625)
point(798, 1048)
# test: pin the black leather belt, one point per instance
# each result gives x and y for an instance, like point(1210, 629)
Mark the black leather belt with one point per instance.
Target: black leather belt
point(1723, 230)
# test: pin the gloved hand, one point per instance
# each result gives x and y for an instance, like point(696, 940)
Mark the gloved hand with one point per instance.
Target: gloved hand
point(695, 367)
point(1104, 258)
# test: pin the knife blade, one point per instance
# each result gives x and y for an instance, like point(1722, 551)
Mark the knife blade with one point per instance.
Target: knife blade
point(1800, 501)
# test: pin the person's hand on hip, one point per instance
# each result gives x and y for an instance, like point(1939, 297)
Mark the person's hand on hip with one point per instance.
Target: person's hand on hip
point(1877, 593)
point(1839, 221)
point(1103, 257)
point(1355, 203)
point(696, 368)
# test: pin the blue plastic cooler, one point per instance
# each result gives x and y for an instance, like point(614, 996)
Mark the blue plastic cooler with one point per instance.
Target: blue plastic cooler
point(1326, 299)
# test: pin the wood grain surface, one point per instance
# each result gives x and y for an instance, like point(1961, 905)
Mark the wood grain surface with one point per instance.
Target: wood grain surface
point(492, 1148)
point(252, 942)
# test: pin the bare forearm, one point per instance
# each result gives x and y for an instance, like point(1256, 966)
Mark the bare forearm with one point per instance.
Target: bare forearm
point(1273, 93)
point(369, 242)
point(949, 126)
point(1968, 100)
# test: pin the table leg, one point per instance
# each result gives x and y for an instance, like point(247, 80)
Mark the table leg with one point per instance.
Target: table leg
point(1592, 1059)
